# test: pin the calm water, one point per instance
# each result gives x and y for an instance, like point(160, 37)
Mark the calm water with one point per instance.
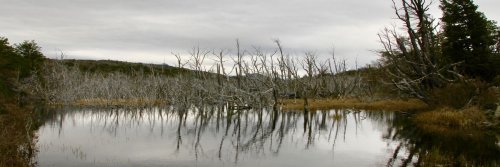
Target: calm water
point(213, 136)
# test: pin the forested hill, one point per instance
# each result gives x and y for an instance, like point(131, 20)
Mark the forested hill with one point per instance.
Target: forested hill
point(110, 66)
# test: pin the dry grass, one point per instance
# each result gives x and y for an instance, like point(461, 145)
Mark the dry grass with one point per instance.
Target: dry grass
point(471, 93)
point(117, 102)
point(17, 144)
point(324, 104)
point(447, 118)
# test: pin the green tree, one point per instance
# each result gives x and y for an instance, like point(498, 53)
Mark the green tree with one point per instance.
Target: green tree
point(9, 68)
point(496, 37)
point(33, 57)
point(468, 38)
point(495, 57)
point(17, 63)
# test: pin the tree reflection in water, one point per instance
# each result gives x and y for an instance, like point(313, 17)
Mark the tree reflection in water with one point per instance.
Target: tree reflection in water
point(217, 132)
point(446, 147)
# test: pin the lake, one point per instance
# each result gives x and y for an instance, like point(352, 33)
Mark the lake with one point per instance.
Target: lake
point(215, 136)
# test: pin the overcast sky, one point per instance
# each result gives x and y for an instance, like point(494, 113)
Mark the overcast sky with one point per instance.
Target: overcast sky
point(149, 30)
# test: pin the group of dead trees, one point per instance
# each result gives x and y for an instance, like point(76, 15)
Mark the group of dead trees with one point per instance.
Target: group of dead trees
point(242, 79)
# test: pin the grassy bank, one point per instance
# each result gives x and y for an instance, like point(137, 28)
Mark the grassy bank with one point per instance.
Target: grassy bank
point(17, 144)
point(444, 119)
point(324, 104)
point(286, 104)
point(115, 102)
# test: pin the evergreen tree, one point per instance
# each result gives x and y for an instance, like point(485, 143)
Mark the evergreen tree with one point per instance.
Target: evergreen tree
point(468, 38)
point(10, 63)
point(16, 63)
point(33, 57)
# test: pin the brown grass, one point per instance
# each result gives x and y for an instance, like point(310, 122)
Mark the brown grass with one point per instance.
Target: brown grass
point(447, 118)
point(286, 104)
point(116, 102)
point(324, 104)
point(17, 141)
point(460, 95)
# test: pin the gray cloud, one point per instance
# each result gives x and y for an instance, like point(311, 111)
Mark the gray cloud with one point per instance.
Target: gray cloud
point(147, 31)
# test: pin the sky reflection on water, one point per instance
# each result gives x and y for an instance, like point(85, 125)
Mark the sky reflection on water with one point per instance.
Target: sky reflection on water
point(212, 136)
point(209, 137)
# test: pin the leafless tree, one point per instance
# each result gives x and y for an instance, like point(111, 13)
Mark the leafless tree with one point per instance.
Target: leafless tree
point(413, 60)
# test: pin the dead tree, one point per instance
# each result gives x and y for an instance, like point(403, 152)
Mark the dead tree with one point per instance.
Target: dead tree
point(413, 60)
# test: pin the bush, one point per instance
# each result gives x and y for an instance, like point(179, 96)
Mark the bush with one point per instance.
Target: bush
point(496, 81)
point(460, 95)
point(451, 118)
point(2, 109)
point(455, 95)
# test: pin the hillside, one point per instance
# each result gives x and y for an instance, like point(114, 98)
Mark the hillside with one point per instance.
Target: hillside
point(110, 66)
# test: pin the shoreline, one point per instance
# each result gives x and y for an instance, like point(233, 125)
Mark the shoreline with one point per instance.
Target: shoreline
point(352, 103)
point(285, 104)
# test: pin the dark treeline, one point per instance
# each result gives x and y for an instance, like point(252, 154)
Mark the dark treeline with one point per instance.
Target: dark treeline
point(110, 66)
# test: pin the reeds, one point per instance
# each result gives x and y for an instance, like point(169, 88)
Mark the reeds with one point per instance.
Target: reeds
point(386, 105)
point(17, 144)
point(448, 118)
point(99, 102)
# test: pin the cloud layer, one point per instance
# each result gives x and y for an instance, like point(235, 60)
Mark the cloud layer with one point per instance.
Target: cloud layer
point(148, 31)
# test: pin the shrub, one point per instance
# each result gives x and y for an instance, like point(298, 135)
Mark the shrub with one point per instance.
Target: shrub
point(464, 94)
point(496, 81)
point(445, 118)
point(455, 95)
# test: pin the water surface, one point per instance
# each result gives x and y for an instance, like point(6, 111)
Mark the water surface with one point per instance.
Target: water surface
point(213, 136)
